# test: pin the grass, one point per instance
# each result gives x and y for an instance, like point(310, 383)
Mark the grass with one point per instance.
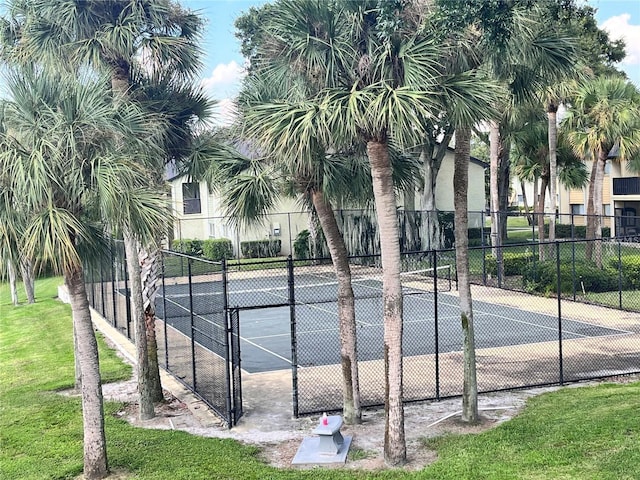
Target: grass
point(574, 433)
point(630, 299)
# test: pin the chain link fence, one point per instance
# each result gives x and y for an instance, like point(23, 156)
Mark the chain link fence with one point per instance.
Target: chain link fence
point(539, 315)
point(540, 323)
point(196, 344)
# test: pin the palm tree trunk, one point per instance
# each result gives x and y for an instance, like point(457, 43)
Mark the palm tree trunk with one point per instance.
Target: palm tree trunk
point(13, 286)
point(544, 180)
point(28, 279)
point(149, 387)
point(346, 309)
point(460, 189)
point(494, 159)
point(504, 184)
point(95, 447)
point(553, 166)
point(395, 449)
point(597, 205)
point(430, 223)
point(591, 219)
point(526, 203)
point(150, 260)
point(146, 407)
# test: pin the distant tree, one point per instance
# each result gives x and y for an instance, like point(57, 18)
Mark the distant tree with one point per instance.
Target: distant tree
point(605, 113)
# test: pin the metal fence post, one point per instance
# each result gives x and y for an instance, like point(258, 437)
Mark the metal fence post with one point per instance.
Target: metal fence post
point(573, 258)
point(113, 284)
point(164, 312)
point(559, 294)
point(228, 347)
point(102, 287)
point(193, 339)
point(127, 293)
point(620, 274)
point(294, 342)
point(435, 319)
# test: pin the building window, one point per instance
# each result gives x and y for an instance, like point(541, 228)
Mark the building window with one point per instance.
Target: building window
point(191, 198)
point(577, 209)
point(607, 167)
point(606, 209)
point(212, 230)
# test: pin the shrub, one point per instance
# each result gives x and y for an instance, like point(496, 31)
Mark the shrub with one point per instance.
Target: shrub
point(446, 220)
point(514, 263)
point(188, 246)
point(260, 248)
point(301, 245)
point(563, 230)
point(630, 270)
point(542, 277)
point(474, 233)
point(217, 249)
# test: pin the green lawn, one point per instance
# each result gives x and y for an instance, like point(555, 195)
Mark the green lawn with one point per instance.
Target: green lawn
point(574, 433)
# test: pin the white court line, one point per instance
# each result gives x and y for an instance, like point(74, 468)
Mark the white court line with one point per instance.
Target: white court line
point(266, 350)
point(241, 337)
point(483, 312)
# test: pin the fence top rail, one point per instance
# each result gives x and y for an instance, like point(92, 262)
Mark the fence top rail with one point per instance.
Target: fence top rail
point(190, 257)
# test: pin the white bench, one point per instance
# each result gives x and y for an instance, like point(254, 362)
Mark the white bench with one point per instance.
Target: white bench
point(330, 437)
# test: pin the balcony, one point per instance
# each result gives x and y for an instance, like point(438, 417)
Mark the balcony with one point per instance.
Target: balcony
point(626, 186)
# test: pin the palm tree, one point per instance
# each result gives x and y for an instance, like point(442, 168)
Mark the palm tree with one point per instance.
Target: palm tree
point(605, 113)
point(60, 155)
point(147, 47)
point(531, 162)
point(525, 54)
point(384, 82)
point(249, 190)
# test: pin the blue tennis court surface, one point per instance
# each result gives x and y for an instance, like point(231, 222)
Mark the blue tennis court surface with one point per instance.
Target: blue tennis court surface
point(266, 332)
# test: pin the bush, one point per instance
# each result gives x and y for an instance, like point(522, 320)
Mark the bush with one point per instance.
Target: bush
point(217, 249)
point(188, 246)
point(474, 233)
point(301, 245)
point(630, 270)
point(542, 277)
point(260, 248)
point(563, 230)
point(514, 263)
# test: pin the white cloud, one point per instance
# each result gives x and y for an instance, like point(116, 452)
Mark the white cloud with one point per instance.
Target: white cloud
point(225, 112)
point(619, 27)
point(225, 78)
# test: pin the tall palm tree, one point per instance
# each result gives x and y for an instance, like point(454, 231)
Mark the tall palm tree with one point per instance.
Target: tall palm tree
point(525, 54)
point(531, 161)
point(383, 83)
point(249, 191)
point(147, 47)
point(60, 155)
point(605, 113)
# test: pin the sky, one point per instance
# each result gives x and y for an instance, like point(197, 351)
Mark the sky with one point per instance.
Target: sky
point(223, 69)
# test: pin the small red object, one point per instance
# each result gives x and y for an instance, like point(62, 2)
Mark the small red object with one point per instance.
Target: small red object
point(325, 419)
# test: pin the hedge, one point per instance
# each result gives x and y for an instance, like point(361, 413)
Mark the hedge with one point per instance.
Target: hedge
point(630, 270)
point(188, 246)
point(542, 277)
point(261, 248)
point(514, 263)
point(563, 230)
point(217, 249)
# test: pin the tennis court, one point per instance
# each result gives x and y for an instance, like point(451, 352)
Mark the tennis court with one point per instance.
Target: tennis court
point(264, 309)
